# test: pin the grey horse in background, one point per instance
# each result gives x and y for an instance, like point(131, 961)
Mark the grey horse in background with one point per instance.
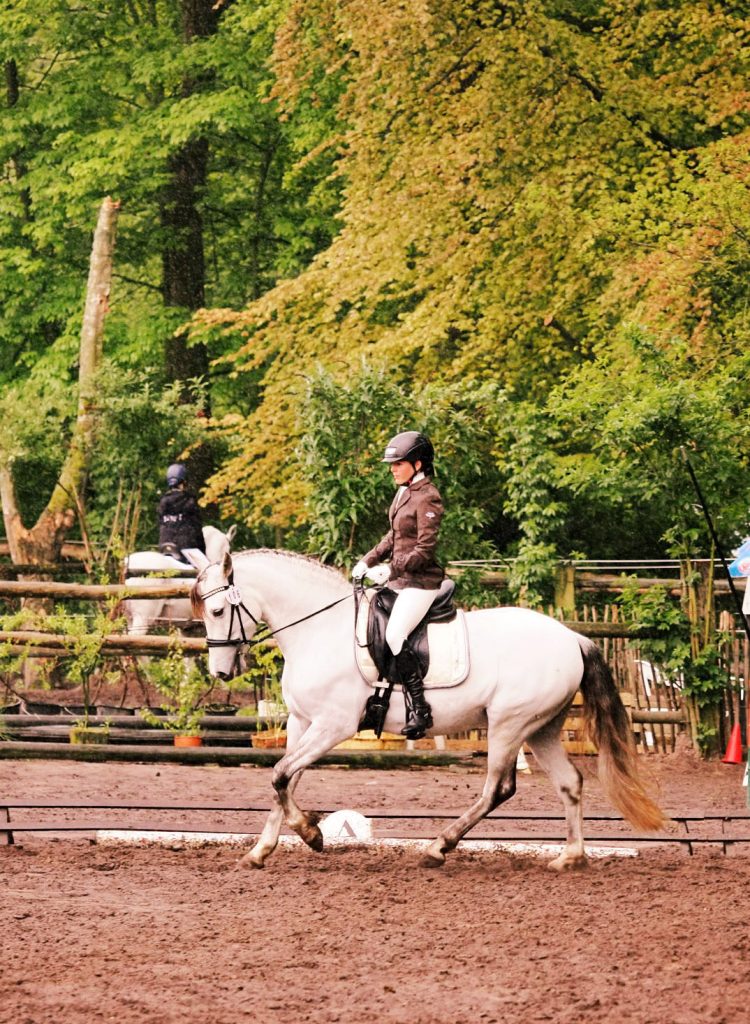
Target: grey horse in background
point(143, 614)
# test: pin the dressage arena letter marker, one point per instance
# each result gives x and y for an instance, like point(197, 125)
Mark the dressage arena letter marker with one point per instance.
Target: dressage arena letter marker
point(346, 826)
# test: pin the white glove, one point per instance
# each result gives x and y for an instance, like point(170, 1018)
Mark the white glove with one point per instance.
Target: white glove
point(379, 574)
point(359, 570)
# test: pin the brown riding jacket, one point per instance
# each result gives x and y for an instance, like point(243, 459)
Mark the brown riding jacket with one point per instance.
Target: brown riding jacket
point(412, 539)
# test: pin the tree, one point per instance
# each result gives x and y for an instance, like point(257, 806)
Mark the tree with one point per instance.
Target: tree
point(167, 107)
point(42, 542)
point(348, 488)
point(520, 181)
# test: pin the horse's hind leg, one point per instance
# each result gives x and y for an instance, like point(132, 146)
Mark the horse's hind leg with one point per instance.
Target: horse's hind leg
point(547, 748)
point(499, 786)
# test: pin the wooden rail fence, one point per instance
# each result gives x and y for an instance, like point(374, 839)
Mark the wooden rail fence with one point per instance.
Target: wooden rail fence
point(655, 703)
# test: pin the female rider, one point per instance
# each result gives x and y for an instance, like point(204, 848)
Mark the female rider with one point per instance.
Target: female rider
point(414, 574)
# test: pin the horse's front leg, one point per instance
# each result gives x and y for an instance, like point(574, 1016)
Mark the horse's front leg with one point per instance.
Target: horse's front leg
point(268, 840)
point(319, 739)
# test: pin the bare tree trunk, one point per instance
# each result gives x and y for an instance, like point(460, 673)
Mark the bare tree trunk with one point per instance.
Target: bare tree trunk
point(42, 542)
point(16, 162)
point(183, 258)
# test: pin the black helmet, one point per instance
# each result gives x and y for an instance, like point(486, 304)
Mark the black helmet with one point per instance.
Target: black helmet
point(176, 474)
point(410, 446)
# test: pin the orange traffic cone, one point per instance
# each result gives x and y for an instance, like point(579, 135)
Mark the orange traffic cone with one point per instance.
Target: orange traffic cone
point(733, 754)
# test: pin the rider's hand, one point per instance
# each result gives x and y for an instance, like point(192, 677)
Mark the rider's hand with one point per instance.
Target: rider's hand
point(379, 574)
point(359, 570)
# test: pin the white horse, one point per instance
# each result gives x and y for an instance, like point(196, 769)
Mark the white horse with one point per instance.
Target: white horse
point(142, 614)
point(525, 670)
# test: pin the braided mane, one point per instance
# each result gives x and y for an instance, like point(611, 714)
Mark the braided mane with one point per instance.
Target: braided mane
point(330, 572)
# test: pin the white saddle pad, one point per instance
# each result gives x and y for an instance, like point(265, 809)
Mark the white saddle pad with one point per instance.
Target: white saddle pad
point(449, 649)
point(154, 561)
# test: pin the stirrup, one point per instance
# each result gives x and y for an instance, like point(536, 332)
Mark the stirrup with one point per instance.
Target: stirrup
point(375, 711)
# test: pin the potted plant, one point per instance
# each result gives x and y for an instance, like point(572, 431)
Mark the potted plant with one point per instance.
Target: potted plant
point(262, 675)
point(269, 724)
point(82, 731)
point(84, 641)
point(183, 685)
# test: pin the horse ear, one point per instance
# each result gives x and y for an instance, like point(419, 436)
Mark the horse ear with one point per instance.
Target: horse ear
point(231, 532)
point(196, 558)
point(226, 565)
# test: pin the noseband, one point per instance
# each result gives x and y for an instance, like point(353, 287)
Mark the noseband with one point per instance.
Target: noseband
point(234, 599)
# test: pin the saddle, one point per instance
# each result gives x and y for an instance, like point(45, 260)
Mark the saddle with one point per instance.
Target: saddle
point(439, 641)
point(172, 551)
point(146, 563)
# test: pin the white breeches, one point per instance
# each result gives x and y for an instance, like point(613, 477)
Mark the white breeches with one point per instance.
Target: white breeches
point(410, 607)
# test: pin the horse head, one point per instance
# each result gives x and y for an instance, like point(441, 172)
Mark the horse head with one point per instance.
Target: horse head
point(218, 544)
point(229, 620)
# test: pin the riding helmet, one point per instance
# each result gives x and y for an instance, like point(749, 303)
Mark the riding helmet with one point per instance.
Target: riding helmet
point(176, 474)
point(410, 446)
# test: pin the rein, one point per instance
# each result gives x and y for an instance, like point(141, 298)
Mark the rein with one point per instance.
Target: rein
point(234, 597)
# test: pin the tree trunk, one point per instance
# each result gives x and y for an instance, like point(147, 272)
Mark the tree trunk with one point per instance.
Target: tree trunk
point(42, 543)
point(183, 259)
point(16, 164)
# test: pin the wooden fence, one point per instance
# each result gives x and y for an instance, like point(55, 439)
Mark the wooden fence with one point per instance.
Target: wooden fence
point(654, 701)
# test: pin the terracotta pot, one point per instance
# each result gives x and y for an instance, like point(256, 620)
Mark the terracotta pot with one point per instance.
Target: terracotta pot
point(187, 741)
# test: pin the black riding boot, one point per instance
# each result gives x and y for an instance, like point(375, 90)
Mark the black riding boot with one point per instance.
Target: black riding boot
point(418, 711)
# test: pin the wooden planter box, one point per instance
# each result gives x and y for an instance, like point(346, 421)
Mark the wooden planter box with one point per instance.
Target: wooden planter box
point(89, 734)
point(367, 740)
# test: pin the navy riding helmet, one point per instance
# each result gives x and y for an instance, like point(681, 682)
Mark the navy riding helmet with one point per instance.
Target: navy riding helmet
point(176, 474)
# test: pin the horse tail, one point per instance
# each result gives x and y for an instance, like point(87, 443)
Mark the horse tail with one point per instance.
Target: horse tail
point(608, 726)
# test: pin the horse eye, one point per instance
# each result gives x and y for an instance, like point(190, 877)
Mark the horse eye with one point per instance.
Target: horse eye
point(217, 612)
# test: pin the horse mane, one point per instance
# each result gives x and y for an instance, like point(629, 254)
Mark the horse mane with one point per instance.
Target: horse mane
point(329, 570)
point(331, 573)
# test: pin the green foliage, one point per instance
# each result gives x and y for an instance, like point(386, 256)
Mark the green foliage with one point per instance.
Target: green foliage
point(531, 499)
point(348, 424)
point(541, 199)
point(183, 685)
point(145, 425)
point(472, 593)
point(263, 675)
point(659, 614)
point(520, 183)
point(83, 654)
point(622, 421)
point(682, 650)
point(102, 98)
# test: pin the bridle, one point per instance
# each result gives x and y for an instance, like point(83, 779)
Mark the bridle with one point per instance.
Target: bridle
point(237, 606)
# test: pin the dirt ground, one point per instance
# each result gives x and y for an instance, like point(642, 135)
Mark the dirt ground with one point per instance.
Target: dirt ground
point(158, 935)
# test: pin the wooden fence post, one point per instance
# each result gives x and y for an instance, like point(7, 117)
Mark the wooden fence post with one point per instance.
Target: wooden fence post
point(565, 586)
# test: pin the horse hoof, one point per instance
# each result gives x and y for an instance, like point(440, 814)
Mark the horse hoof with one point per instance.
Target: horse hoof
point(249, 861)
point(434, 856)
point(315, 840)
point(563, 863)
